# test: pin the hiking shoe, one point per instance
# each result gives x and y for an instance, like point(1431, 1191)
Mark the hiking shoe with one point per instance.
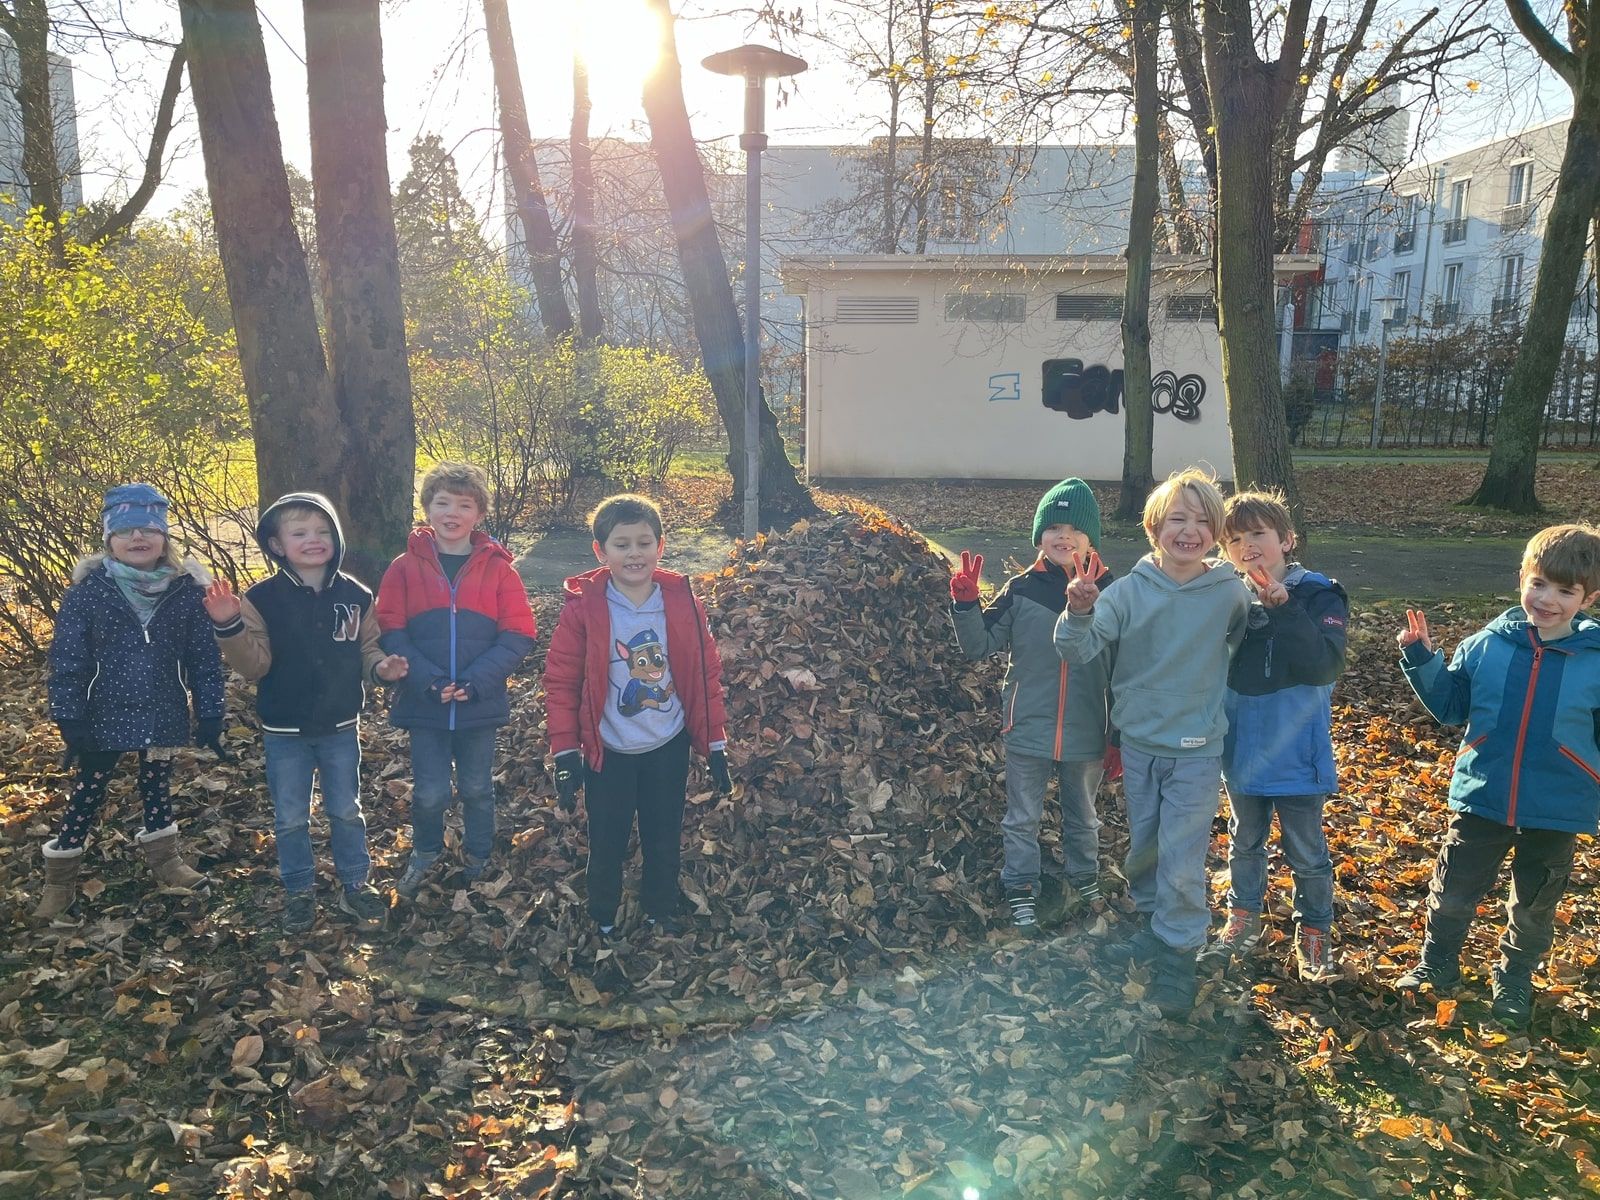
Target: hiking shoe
point(1021, 902)
point(472, 869)
point(1313, 954)
point(1173, 986)
point(1136, 944)
point(1513, 997)
point(1237, 938)
point(365, 905)
point(1088, 889)
point(410, 881)
point(1428, 975)
point(299, 911)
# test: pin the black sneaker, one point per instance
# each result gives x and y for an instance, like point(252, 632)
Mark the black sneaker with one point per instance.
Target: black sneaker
point(365, 905)
point(1173, 986)
point(1428, 975)
point(1021, 902)
point(1513, 997)
point(299, 911)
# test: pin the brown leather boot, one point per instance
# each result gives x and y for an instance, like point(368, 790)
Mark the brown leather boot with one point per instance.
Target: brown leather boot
point(60, 881)
point(161, 852)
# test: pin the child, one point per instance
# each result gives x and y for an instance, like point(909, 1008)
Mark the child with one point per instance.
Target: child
point(308, 636)
point(454, 607)
point(1054, 718)
point(132, 651)
point(1174, 621)
point(1527, 776)
point(633, 679)
point(1278, 755)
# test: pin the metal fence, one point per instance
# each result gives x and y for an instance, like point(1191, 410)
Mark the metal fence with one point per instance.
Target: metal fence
point(1439, 392)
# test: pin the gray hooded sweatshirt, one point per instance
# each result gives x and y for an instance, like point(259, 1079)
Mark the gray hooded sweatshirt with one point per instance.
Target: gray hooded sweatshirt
point(1173, 642)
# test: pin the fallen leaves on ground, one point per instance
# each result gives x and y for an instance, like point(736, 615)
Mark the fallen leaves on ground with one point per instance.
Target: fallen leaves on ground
point(850, 1015)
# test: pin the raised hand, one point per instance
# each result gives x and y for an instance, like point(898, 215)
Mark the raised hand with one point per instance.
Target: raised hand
point(964, 583)
point(222, 606)
point(392, 668)
point(1416, 630)
point(1269, 591)
point(1083, 589)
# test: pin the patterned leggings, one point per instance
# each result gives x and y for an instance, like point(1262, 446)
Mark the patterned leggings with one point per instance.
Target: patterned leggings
point(95, 768)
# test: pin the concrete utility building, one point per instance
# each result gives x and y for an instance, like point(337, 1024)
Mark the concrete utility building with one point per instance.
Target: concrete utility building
point(1001, 366)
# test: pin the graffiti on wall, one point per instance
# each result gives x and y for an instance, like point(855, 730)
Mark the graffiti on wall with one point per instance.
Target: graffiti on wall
point(1080, 391)
point(1005, 386)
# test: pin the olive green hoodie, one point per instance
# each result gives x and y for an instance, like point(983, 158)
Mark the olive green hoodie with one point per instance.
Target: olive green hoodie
point(1173, 642)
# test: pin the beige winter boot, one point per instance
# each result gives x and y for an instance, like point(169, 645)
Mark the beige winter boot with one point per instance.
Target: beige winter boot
point(161, 851)
point(60, 881)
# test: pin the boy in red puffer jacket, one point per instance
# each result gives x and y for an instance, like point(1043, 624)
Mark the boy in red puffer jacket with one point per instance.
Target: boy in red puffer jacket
point(455, 609)
point(632, 681)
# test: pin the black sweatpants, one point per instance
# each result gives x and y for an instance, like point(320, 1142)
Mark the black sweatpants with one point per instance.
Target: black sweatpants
point(650, 786)
point(1468, 867)
point(95, 768)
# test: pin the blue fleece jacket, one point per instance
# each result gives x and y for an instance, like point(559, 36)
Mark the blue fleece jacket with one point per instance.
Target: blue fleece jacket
point(1530, 754)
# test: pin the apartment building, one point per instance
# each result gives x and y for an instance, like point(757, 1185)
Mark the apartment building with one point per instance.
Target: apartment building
point(13, 182)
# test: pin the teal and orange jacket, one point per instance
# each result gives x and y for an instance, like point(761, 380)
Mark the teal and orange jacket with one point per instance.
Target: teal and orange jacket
point(1530, 754)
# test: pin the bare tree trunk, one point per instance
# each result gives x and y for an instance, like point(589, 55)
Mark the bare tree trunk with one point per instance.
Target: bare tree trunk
point(544, 255)
point(924, 180)
point(299, 437)
point(1247, 98)
point(705, 274)
point(1185, 231)
point(891, 174)
point(28, 26)
point(359, 260)
point(1509, 480)
point(1138, 445)
point(584, 266)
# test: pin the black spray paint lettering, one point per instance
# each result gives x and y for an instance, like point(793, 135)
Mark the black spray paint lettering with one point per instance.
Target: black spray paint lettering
point(1081, 391)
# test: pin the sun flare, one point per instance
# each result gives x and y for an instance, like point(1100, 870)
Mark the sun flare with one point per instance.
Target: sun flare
point(620, 41)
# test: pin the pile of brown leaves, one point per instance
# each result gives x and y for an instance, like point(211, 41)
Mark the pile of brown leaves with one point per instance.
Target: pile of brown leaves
point(850, 1016)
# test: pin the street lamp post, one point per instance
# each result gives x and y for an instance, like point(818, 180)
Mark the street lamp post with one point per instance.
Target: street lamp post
point(756, 64)
point(1386, 315)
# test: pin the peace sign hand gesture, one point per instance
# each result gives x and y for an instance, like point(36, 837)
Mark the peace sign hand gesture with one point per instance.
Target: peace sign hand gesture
point(1083, 589)
point(222, 606)
point(1269, 591)
point(964, 583)
point(1416, 630)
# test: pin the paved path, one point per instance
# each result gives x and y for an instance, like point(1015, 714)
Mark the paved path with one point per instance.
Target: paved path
point(1370, 568)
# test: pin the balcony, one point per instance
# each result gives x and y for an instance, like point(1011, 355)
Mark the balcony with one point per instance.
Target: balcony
point(1401, 314)
point(1505, 308)
point(1352, 253)
point(1446, 312)
point(1516, 217)
point(1455, 231)
point(1405, 241)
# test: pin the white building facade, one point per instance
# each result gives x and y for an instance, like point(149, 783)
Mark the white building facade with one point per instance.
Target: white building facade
point(13, 181)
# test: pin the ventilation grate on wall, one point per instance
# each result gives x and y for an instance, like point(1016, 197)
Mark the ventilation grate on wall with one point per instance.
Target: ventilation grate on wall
point(1077, 306)
point(1191, 308)
point(876, 310)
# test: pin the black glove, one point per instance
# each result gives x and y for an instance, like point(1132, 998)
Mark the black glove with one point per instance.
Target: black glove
point(436, 689)
point(75, 737)
point(208, 733)
point(569, 780)
point(472, 692)
point(721, 781)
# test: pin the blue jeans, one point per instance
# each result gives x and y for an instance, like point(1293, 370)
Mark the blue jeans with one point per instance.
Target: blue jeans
point(1304, 845)
point(1027, 778)
point(1171, 803)
point(334, 759)
point(432, 753)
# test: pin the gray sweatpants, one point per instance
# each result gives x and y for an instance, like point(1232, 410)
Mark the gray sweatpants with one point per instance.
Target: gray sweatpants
point(1027, 780)
point(1171, 804)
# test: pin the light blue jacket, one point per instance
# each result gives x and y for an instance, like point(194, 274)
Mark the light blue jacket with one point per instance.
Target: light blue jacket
point(1530, 754)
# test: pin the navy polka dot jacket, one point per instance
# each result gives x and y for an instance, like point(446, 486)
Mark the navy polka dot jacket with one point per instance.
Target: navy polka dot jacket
point(133, 685)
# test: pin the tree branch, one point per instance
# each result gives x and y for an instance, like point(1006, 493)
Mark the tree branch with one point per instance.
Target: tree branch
point(1562, 60)
point(135, 204)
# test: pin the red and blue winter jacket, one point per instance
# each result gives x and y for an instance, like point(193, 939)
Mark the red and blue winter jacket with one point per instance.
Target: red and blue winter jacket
point(472, 632)
point(1530, 754)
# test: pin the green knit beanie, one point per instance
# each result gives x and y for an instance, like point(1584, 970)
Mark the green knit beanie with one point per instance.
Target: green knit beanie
point(1070, 502)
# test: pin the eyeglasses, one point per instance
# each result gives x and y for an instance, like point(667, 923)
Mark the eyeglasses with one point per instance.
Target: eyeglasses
point(128, 535)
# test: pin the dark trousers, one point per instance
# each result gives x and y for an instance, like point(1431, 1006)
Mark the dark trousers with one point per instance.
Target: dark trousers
point(1468, 867)
point(650, 786)
point(95, 768)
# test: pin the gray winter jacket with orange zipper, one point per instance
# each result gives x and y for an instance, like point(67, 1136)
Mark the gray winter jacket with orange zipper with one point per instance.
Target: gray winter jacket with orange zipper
point(1048, 708)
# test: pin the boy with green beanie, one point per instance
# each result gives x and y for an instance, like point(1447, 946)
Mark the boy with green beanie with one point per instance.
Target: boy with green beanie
point(1053, 717)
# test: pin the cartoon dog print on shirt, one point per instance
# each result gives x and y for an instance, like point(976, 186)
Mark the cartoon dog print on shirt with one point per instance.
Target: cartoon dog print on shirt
point(647, 664)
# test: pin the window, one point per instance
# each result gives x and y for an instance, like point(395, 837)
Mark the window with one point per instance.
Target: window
point(953, 211)
point(1400, 289)
point(875, 310)
point(1460, 195)
point(985, 306)
point(1510, 277)
point(1406, 214)
point(1072, 306)
point(1520, 188)
point(1452, 283)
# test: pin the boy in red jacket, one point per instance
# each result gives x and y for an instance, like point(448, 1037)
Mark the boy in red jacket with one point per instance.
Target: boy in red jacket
point(632, 681)
point(455, 609)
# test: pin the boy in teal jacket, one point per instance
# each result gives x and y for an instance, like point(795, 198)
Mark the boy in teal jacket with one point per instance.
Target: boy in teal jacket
point(1527, 776)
